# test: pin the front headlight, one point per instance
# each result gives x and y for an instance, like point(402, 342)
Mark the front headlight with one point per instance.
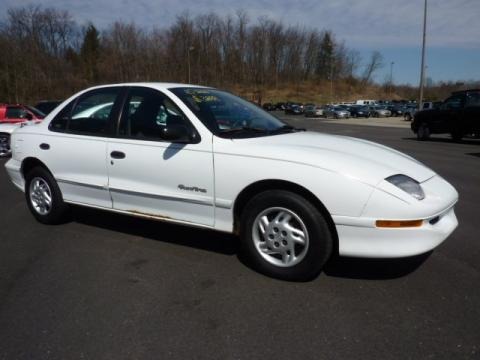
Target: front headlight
point(408, 185)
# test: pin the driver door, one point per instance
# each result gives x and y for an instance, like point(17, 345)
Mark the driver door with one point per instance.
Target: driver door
point(154, 177)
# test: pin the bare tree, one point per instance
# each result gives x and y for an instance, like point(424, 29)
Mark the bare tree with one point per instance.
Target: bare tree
point(375, 63)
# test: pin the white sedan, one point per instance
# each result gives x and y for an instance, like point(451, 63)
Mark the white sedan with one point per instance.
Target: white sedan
point(217, 161)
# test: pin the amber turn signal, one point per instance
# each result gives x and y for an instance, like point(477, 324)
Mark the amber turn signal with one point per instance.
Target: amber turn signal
point(398, 223)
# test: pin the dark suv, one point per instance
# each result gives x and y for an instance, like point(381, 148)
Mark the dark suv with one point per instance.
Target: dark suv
point(459, 115)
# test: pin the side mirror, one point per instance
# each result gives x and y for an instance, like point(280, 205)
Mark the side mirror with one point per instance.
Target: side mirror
point(28, 116)
point(176, 133)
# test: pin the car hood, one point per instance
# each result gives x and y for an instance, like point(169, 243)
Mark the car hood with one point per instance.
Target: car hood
point(359, 159)
point(9, 128)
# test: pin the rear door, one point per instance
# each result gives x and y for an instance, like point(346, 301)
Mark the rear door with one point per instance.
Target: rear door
point(444, 119)
point(77, 146)
point(472, 112)
point(452, 114)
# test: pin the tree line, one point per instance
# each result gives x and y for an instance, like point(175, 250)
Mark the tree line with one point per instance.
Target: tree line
point(48, 55)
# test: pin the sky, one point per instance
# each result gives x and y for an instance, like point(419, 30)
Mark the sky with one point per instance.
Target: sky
point(394, 27)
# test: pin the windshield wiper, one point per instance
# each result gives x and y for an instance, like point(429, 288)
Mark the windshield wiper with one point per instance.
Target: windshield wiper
point(286, 128)
point(243, 129)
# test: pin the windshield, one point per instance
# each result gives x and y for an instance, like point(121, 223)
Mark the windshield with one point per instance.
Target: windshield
point(225, 114)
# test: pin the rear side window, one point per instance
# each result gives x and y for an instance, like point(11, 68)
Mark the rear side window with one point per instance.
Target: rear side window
point(15, 112)
point(59, 123)
point(473, 99)
point(90, 114)
point(455, 102)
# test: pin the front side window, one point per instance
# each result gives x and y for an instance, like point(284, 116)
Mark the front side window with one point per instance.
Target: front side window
point(147, 113)
point(227, 115)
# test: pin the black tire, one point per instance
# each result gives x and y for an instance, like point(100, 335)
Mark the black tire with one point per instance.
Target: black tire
point(457, 136)
point(408, 117)
point(58, 210)
point(320, 242)
point(423, 132)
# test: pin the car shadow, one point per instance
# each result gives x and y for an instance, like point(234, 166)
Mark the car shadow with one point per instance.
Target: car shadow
point(228, 244)
point(374, 269)
point(446, 140)
point(198, 238)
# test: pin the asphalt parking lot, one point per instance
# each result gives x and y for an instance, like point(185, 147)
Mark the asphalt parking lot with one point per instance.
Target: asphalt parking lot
point(106, 286)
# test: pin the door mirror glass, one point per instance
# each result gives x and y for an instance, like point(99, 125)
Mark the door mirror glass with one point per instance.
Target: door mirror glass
point(176, 133)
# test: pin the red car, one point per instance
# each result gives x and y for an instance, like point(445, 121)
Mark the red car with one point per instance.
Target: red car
point(12, 114)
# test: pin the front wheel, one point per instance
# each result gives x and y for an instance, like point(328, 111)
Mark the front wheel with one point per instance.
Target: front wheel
point(284, 236)
point(44, 198)
point(457, 135)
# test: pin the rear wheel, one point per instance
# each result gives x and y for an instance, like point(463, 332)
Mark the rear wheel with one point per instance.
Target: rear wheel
point(284, 236)
point(423, 132)
point(44, 198)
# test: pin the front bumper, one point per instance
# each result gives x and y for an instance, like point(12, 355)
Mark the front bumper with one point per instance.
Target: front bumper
point(361, 240)
point(13, 168)
point(359, 236)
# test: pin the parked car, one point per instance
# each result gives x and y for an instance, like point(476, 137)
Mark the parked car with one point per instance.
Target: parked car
point(293, 108)
point(409, 112)
point(47, 106)
point(429, 105)
point(313, 111)
point(366, 102)
point(268, 106)
point(379, 111)
point(458, 115)
point(295, 197)
point(5, 133)
point(280, 106)
point(6, 130)
point(359, 111)
point(395, 110)
point(17, 113)
point(336, 112)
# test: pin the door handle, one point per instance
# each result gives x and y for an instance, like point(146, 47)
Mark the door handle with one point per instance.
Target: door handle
point(117, 155)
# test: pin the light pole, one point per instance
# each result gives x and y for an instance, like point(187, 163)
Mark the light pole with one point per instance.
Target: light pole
point(190, 48)
point(422, 69)
point(391, 77)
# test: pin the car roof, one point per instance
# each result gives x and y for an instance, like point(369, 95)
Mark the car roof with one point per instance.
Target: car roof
point(156, 85)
